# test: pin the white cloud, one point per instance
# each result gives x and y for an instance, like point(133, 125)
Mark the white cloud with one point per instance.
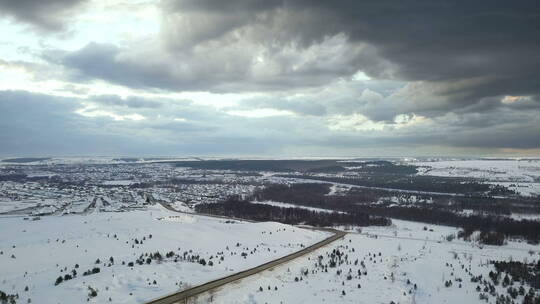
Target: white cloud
point(90, 111)
point(260, 113)
point(354, 122)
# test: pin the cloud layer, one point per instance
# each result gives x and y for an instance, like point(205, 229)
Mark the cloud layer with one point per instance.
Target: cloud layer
point(279, 77)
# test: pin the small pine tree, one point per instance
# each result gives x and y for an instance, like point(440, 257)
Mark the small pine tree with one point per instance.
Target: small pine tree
point(58, 280)
point(92, 292)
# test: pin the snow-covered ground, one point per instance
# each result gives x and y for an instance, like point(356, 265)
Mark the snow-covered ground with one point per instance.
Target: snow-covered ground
point(181, 206)
point(520, 175)
point(35, 253)
point(119, 182)
point(523, 216)
point(337, 189)
point(8, 206)
point(287, 205)
point(392, 256)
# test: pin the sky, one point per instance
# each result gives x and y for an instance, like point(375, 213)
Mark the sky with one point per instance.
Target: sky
point(269, 78)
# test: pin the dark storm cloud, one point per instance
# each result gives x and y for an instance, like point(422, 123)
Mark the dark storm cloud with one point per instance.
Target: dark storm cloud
point(46, 15)
point(468, 70)
point(468, 49)
point(230, 69)
point(102, 61)
point(497, 41)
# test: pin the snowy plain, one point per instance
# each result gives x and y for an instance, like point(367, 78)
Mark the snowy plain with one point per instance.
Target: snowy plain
point(287, 205)
point(395, 258)
point(520, 175)
point(35, 252)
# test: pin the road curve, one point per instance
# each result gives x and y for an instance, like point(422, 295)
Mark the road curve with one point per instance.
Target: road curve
point(184, 295)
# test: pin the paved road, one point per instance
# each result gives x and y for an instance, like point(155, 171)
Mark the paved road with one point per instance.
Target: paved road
point(183, 296)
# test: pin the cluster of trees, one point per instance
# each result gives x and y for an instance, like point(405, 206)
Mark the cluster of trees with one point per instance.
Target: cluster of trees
point(234, 207)
point(73, 273)
point(492, 238)
point(92, 271)
point(187, 256)
point(495, 229)
point(315, 195)
point(519, 271)
point(260, 165)
point(341, 264)
point(6, 298)
point(409, 182)
point(487, 287)
point(330, 166)
point(381, 167)
point(92, 292)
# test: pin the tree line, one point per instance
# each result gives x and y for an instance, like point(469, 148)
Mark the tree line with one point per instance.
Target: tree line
point(244, 209)
point(314, 195)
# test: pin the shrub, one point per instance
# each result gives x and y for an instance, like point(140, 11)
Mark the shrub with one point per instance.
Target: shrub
point(92, 292)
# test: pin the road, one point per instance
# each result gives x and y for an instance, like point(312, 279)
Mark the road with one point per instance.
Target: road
point(184, 295)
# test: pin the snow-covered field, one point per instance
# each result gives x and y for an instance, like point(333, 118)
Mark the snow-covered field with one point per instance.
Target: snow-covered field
point(8, 206)
point(395, 258)
point(523, 216)
point(34, 254)
point(520, 175)
point(287, 205)
point(132, 249)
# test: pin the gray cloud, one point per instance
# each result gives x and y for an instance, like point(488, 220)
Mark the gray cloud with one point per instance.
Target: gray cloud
point(234, 68)
point(469, 131)
point(468, 68)
point(460, 51)
point(49, 125)
point(38, 124)
point(102, 61)
point(48, 15)
point(41, 124)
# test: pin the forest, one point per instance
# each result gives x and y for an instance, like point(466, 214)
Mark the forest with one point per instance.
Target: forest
point(434, 184)
point(493, 226)
point(234, 207)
